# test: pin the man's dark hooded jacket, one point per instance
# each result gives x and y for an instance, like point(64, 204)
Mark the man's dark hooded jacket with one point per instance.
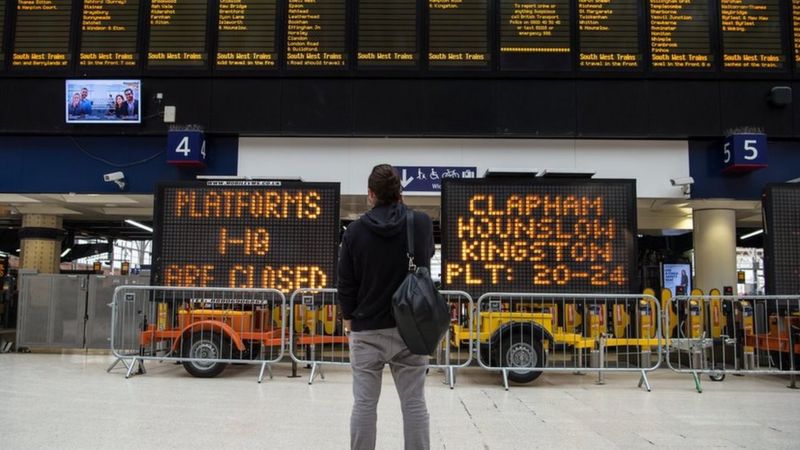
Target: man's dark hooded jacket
point(373, 263)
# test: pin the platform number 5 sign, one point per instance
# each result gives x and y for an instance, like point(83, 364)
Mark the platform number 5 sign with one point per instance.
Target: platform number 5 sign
point(744, 153)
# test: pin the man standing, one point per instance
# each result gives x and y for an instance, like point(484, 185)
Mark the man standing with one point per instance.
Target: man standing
point(372, 264)
point(131, 103)
point(86, 104)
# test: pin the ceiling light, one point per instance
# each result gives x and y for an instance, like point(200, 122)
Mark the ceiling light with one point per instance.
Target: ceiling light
point(139, 225)
point(754, 233)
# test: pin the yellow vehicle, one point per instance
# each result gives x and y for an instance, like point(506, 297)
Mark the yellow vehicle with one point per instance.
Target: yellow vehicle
point(522, 334)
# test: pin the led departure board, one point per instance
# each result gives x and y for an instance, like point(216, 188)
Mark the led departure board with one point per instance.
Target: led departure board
point(680, 35)
point(387, 33)
point(782, 238)
point(458, 34)
point(316, 36)
point(109, 34)
point(796, 31)
point(608, 34)
point(246, 234)
point(177, 34)
point(751, 35)
point(535, 35)
point(2, 33)
point(41, 35)
point(539, 235)
point(246, 31)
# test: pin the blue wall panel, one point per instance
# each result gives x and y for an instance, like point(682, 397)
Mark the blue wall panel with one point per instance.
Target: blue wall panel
point(65, 164)
point(705, 166)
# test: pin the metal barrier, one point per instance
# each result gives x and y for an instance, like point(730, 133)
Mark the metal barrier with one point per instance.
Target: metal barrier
point(203, 328)
point(717, 335)
point(458, 344)
point(523, 335)
point(317, 337)
point(316, 333)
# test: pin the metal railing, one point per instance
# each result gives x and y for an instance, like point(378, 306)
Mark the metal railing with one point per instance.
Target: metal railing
point(523, 335)
point(317, 337)
point(205, 329)
point(717, 335)
point(457, 346)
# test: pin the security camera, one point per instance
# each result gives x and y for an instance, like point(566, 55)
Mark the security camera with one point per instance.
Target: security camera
point(683, 181)
point(115, 177)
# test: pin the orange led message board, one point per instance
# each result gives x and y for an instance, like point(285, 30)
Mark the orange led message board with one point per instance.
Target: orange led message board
point(539, 235)
point(781, 203)
point(246, 234)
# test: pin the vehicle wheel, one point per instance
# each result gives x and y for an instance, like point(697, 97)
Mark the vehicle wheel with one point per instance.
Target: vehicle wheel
point(717, 375)
point(519, 352)
point(252, 351)
point(205, 345)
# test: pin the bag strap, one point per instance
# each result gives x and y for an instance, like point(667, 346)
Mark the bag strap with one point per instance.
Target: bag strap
point(410, 240)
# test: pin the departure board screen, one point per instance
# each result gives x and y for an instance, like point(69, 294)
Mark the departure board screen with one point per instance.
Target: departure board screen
point(535, 35)
point(178, 34)
point(246, 34)
point(2, 33)
point(246, 234)
point(782, 238)
point(539, 235)
point(796, 31)
point(316, 36)
point(109, 34)
point(458, 34)
point(387, 33)
point(41, 35)
point(751, 35)
point(608, 34)
point(680, 35)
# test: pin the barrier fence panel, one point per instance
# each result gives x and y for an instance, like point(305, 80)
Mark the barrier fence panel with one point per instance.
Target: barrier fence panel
point(318, 338)
point(316, 331)
point(457, 346)
point(721, 334)
point(203, 328)
point(523, 335)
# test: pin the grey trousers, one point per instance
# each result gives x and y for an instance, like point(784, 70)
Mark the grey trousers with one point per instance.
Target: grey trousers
point(370, 351)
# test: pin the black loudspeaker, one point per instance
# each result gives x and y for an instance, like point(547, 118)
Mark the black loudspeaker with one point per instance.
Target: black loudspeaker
point(780, 96)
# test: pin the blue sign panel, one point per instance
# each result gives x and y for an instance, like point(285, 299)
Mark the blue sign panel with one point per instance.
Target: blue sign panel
point(429, 178)
point(744, 153)
point(186, 148)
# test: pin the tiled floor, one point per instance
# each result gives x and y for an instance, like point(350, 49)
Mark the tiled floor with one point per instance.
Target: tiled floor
point(69, 401)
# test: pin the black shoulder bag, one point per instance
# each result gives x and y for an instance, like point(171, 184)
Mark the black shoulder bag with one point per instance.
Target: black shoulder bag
point(421, 314)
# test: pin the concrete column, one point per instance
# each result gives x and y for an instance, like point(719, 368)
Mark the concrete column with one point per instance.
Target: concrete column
point(40, 242)
point(714, 248)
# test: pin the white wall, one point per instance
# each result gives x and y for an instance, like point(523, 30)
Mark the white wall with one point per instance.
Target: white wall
point(349, 160)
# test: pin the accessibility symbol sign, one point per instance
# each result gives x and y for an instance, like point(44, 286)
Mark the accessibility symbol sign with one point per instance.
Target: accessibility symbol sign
point(429, 178)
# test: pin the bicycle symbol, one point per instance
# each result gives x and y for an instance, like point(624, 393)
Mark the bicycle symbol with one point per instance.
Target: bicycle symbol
point(450, 173)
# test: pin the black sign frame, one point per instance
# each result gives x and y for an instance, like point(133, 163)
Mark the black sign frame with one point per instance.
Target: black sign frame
point(156, 274)
point(771, 264)
point(630, 184)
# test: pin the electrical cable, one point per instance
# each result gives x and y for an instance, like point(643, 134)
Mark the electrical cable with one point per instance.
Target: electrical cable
point(111, 163)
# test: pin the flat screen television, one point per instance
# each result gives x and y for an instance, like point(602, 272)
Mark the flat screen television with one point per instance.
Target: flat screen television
point(103, 101)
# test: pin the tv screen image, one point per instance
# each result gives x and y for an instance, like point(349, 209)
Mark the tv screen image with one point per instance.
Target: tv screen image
point(103, 101)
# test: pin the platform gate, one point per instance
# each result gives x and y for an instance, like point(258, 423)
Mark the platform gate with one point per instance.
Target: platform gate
point(317, 337)
point(203, 328)
point(717, 335)
point(523, 335)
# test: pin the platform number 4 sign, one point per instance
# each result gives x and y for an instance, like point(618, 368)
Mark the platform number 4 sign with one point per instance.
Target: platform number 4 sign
point(186, 148)
point(744, 153)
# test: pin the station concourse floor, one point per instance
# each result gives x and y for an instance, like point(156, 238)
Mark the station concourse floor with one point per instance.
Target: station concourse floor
point(69, 401)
